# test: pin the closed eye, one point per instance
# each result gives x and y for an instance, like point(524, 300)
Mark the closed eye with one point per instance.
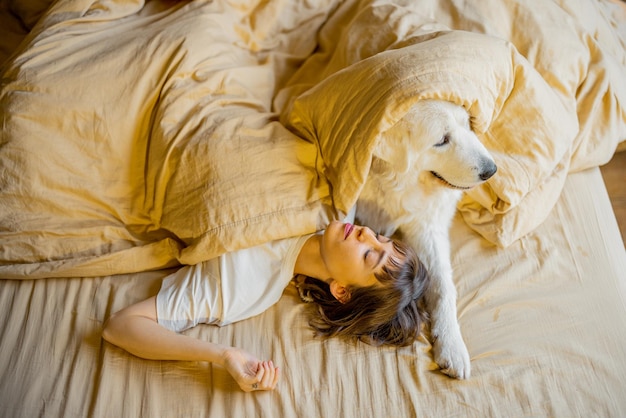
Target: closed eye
point(445, 139)
point(372, 258)
point(380, 254)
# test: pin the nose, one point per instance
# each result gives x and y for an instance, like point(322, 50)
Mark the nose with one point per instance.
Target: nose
point(366, 235)
point(488, 169)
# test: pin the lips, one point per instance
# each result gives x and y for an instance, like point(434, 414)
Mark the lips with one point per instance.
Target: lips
point(347, 230)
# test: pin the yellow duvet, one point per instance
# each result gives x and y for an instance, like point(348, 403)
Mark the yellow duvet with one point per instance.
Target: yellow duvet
point(140, 136)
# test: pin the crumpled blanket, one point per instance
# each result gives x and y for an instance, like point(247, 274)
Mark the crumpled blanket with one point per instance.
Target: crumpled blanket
point(140, 136)
point(137, 136)
point(544, 83)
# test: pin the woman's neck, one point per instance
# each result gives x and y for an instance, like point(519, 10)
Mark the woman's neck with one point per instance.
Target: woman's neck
point(309, 261)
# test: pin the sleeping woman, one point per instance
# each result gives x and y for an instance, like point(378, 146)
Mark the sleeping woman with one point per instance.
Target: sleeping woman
point(363, 285)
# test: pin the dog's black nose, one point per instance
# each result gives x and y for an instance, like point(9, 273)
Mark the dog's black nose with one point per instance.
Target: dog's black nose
point(488, 170)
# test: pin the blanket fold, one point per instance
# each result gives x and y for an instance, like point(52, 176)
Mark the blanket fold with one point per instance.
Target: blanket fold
point(140, 135)
point(540, 120)
point(137, 139)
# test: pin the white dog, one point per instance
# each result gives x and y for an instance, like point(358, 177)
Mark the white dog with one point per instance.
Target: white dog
point(419, 171)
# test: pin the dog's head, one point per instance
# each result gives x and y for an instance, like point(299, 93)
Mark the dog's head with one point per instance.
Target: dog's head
point(435, 139)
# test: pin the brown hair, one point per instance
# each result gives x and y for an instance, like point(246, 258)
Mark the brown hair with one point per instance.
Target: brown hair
point(389, 314)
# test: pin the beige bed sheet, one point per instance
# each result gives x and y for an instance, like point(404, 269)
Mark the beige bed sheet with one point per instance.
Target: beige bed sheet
point(544, 321)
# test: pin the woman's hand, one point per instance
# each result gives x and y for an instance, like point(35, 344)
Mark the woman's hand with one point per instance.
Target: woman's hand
point(250, 373)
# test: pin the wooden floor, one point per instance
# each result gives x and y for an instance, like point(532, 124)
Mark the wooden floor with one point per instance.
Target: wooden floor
point(614, 174)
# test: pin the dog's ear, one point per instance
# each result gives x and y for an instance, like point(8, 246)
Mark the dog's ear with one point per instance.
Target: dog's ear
point(391, 148)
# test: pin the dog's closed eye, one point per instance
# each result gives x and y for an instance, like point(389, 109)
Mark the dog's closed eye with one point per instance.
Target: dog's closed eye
point(445, 139)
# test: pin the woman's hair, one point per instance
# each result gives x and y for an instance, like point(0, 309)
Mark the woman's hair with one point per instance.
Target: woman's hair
point(387, 313)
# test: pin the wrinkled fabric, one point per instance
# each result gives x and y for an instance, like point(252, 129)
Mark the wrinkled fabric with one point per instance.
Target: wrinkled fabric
point(139, 136)
point(136, 138)
point(544, 86)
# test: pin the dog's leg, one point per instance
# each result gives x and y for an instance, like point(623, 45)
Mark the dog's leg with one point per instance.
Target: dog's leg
point(449, 350)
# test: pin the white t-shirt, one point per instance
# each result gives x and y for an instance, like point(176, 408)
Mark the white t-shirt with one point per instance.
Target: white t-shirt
point(230, 288)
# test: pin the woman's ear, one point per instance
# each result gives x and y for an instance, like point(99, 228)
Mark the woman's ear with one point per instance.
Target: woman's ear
point(339, 291)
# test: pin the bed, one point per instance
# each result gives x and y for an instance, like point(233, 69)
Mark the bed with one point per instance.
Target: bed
point(141, 136)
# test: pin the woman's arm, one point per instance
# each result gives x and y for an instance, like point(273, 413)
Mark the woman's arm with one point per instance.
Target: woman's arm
point(136, 330)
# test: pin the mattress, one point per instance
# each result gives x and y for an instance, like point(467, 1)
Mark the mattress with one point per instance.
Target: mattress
point(543, 321)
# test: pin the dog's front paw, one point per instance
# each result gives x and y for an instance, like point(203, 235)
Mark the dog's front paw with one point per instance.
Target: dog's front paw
point(451, 355)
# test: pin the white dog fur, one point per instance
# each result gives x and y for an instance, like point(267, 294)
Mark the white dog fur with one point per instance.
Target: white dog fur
point(419, 171)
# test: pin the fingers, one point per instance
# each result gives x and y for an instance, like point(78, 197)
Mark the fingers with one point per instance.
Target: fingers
point(266, 377)
point(271, 376)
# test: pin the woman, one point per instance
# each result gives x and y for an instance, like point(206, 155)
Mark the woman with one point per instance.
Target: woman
point(362, 284)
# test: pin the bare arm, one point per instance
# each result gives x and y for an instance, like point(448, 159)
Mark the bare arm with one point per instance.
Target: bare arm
point(136, 330)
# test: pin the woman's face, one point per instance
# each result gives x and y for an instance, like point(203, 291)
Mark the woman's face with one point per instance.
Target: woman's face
point(352, 254)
